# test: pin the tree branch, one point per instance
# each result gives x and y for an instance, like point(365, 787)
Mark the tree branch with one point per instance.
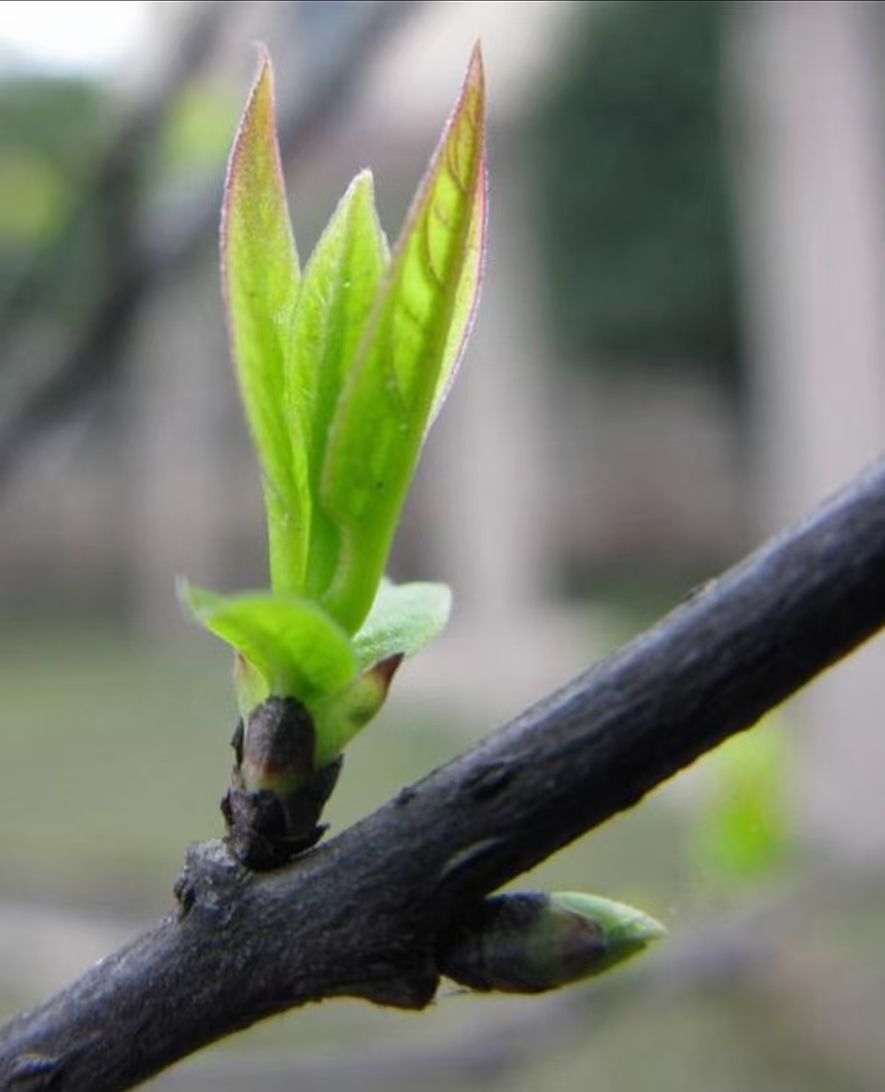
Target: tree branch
point(368, 914)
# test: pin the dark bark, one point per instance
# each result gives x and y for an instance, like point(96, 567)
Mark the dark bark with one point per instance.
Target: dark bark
point(366, 914)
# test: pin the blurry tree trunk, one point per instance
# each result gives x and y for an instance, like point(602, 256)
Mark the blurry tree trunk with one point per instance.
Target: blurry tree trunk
point(808, 125)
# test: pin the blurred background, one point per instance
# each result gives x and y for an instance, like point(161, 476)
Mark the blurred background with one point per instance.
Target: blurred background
point(679, 350)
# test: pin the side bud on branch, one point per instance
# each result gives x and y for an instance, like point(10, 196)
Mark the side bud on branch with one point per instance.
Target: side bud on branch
point(530, 943)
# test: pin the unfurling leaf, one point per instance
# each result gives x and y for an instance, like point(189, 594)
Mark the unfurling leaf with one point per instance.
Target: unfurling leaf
point(341, 372)
point(260, 279)
point(404, 618)
point(337, 293)
point(466, 298)
point(382, 417)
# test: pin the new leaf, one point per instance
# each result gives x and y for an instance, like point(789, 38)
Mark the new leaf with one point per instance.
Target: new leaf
point(404, 618)
point(337, 294)
point(341, 372)
point(260, 277)
point(295, 646)
point(408, 355)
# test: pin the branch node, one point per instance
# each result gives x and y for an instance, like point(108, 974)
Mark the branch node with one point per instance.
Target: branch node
point(405, 796)
point(212, 881)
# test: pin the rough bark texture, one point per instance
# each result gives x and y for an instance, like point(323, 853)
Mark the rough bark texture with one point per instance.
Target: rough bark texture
point(367, 914)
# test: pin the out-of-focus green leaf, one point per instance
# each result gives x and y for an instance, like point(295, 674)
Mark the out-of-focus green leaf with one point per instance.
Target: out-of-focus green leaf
point(743, 832)
point(381, 420)
point(338, 289)
point(299, 650)
point(195, 136)
point(260, 277)
point(403, 618)
point(33, 198)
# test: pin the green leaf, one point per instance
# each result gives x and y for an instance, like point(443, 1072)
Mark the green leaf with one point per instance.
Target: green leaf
point(260, 278)
point(466, 296)
point(338, 290)
point(381, 420)
point(299, 650)
point(403, 618)
point(743, 833)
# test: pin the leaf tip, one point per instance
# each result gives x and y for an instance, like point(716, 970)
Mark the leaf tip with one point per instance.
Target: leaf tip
point(260, 100)
point(264, 61)
point(470, 106)
point(264, 81)
point(194, 601)
point(476, 67)
point(183, 590)
point(362, 187)
point(257, 124)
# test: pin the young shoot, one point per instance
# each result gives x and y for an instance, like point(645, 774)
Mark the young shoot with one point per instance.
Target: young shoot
point(342, 367)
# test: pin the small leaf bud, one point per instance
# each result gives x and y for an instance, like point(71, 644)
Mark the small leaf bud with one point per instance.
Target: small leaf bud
point(531, 942)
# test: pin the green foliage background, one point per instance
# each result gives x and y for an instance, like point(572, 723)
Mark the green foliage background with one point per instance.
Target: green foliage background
point(52, 130)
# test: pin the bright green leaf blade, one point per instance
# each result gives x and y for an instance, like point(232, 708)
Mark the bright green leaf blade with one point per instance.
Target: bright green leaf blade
point(297, 647)
point(260, 277)
point(403, 618)
point(466, 296)
point(381, 420)
point(338, 289)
